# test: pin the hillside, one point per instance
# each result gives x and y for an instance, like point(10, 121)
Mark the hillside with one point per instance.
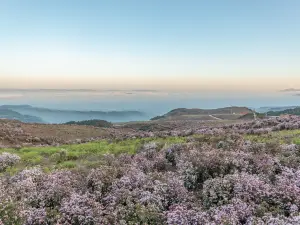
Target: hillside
point(295, 111)
point(205, 114)
point(15, 133)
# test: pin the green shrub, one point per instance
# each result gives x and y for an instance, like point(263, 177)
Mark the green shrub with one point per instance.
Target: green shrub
point(68, 165)
point(95, 123)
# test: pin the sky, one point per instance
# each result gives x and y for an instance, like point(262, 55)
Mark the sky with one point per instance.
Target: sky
point(219, 45)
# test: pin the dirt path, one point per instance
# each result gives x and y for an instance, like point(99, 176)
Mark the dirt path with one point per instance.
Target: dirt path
point(216, 118)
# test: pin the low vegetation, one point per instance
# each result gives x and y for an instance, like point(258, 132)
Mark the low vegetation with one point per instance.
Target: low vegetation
point(231, 174)
point(95, 123)
point(80, 155)
point(282, 137)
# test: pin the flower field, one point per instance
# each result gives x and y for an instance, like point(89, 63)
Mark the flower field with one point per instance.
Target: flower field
point(246, 173)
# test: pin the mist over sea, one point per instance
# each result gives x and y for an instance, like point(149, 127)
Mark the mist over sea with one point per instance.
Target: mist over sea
point(152, 103)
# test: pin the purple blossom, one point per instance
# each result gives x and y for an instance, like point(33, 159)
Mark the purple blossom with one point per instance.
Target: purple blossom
point(7, 160)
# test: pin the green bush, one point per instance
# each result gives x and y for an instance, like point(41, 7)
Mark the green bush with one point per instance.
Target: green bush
point(95, 123)
point(68, 165)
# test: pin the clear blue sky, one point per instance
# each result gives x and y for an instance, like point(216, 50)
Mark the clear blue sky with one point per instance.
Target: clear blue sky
point(149, 44)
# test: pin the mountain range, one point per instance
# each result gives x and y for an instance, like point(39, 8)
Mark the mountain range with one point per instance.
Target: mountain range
point(31, 114)
point(46, 115)
point(13, 115)
point(294, 111)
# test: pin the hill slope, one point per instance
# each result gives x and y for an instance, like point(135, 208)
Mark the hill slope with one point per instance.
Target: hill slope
point(205, 114)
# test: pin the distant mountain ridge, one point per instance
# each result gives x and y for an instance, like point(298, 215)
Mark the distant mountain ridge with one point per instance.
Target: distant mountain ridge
point(294, 111)
point(29, 107)
point(63, 116)
point(274, 108)
point(13, 115)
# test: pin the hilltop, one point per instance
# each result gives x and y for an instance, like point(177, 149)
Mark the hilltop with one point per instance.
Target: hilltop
point(205, 114)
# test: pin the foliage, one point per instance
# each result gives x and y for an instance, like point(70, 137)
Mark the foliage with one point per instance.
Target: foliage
point(217, 177)
point(95, 123)
point(76, 155)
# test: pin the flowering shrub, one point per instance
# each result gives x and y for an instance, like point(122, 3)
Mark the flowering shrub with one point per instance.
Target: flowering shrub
point(80, 209)
point(36, 217)
point(216, 192)
point(7, 160)
point(237, 212)
point(99, 180)
point(216, 177)
point(181, 215)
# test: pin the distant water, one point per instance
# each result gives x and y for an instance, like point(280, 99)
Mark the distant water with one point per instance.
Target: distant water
point(151, 102)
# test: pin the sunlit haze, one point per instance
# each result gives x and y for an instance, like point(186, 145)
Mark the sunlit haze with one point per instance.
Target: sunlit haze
point(164, 45)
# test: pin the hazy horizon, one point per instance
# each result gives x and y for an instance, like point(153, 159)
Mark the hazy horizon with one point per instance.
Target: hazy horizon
point(150, 103)
point(167, 45)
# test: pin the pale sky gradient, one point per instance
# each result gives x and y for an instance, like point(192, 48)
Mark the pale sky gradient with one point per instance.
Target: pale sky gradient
point(165, 45)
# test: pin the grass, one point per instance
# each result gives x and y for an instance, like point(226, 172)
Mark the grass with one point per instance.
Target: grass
point(87, 154)
point(282, 137)
point(90, 154)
